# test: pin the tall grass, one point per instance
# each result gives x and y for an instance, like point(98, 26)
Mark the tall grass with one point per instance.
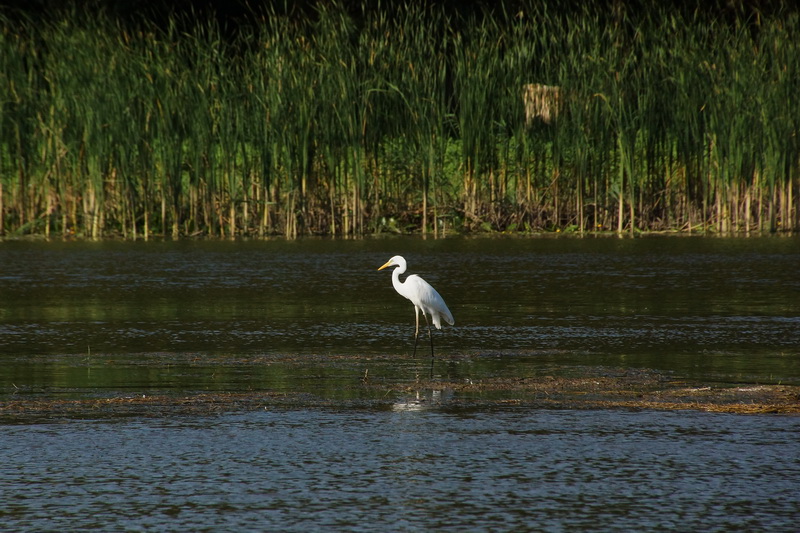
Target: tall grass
point(401, 119)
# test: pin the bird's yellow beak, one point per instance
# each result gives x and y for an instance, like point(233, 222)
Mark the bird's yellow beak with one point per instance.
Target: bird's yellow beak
point(388, 263)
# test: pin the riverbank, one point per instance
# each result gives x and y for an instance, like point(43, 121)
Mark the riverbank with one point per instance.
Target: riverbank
point(597, 388)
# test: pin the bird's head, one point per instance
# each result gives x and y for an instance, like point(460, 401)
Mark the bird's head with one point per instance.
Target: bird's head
point(394, 261)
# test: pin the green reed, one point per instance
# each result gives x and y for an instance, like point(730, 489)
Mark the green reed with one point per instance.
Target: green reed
point(401, 119)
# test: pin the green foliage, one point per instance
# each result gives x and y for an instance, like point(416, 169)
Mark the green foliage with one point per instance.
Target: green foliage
point(354, 122)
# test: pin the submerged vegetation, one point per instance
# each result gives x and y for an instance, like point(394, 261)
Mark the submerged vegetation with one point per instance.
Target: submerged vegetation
point(345, 122)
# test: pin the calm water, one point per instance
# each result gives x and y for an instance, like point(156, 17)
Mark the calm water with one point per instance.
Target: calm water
point(106, 320)
point(110, 316)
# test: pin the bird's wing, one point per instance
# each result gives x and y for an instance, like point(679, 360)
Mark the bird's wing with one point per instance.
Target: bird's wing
point(423, 294)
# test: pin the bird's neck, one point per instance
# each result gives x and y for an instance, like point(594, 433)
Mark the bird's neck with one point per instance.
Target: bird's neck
point(398, 285)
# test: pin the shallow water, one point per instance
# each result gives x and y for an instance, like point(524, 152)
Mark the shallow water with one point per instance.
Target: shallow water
point(400, 469)
point(314, 318)
point(188, 315)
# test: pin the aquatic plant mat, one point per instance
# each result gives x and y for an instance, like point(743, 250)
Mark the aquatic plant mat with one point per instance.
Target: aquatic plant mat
point(583, 388)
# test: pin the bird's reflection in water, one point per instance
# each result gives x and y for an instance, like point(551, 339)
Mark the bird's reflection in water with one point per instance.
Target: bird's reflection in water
point(423, 399)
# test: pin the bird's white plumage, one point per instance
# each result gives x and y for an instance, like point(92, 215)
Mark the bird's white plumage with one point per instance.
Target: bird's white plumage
point(423, 296)
point(420, 292)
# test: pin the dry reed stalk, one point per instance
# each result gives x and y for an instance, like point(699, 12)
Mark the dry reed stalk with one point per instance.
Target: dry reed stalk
point(541, 101)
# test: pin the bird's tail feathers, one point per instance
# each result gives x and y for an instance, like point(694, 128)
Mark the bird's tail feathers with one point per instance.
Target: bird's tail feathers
point(437, 319)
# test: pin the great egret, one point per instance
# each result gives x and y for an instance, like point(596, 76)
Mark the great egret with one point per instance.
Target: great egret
point(422, 295)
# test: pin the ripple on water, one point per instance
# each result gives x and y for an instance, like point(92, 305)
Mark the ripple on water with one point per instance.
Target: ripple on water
point(441, 469)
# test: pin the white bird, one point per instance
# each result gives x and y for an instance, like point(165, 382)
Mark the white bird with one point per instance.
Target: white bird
point(422, 295)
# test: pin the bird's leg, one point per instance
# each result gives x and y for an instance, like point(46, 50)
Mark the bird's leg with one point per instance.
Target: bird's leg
point(430, 336)
point(416, 330)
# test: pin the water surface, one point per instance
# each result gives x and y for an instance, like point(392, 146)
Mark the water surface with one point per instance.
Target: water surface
point(358, 448)
point(354, 470)
point(226, 315)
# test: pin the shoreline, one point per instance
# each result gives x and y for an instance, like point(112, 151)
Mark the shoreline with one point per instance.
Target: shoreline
point(637, 391)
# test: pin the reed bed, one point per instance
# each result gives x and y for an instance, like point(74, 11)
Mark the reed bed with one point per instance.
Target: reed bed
point(402, 119)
